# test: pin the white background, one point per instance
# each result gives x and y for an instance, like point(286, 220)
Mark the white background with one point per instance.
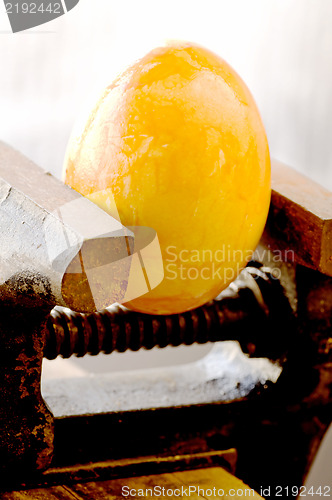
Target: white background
point(281, 48)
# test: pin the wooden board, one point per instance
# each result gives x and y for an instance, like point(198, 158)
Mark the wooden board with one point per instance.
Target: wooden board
point(205, 479)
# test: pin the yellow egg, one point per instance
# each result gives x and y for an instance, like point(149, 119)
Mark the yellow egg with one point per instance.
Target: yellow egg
point(178, 143)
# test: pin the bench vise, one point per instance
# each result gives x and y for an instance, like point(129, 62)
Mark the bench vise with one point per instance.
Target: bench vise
point(259, 403)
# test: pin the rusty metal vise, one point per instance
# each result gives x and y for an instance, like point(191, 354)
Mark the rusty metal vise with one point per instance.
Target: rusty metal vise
point(259, 403)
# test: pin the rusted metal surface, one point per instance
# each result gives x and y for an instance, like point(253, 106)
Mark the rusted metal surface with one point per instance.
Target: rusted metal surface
point(243, 313)
point(300, 219)
point(315, 311)
point(26, 424)
point(129, 467)
point(42, 239)
point(47, 230)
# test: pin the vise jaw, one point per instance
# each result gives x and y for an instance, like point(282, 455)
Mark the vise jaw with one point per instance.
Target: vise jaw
point(52, 239)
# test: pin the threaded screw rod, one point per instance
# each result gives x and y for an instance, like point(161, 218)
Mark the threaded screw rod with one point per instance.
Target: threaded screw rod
point(229, 317)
